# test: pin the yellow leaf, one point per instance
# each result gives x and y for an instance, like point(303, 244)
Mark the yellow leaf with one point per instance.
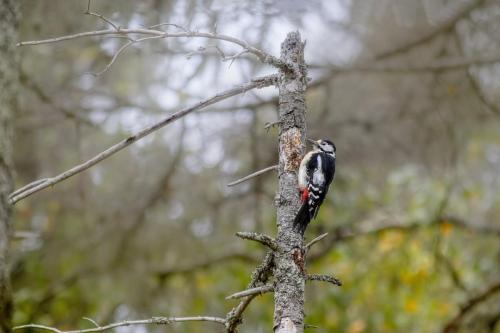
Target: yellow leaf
point(389, 240)
point(356, 326)
point(410, 305)
point(445, 228)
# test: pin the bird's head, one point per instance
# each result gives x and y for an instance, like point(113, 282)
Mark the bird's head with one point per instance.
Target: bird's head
point(324, 145)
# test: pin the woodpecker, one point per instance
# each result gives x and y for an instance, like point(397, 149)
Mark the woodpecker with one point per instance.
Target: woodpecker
point(316, 173)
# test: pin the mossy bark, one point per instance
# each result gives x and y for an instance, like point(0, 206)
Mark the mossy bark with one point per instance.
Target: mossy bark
point(9, 19)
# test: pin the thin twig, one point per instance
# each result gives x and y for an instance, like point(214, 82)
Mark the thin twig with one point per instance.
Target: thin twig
point(267, 126)
point(315, 240)
point(324, 278)
point(253, 291)
point(253, 175)
point(261, 238)
point(90, 319)
point(113, 59)
point(168, 24)
point(256, 83)
point(151, 321)
point(102, 17)
point(453, 325)
point(310, 326)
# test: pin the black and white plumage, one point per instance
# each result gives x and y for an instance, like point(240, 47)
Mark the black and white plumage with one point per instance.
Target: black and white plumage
point(316, 173)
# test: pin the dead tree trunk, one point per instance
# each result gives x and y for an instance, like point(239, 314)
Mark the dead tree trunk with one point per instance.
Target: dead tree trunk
point(289, 269)
point(9, 17)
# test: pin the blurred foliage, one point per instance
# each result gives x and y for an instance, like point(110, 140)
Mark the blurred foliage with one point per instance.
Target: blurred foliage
point(417, 184)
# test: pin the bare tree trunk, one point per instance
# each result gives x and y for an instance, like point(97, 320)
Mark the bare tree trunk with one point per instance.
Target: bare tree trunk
point(289, 270)
point(9, 10)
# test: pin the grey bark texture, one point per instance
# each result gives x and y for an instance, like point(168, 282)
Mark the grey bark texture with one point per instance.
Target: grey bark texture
point(9, 18)
point(289, 271)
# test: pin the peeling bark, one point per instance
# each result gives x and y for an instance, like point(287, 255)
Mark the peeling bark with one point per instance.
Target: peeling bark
point(289, 256)
point(9, 19)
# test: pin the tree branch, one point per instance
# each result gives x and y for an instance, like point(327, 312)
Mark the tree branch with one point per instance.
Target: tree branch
point(38, 91)
point(440, 64)
point(440, 28)
point(102, 17)
point(315, 240)
point(261, 238)
point(263, 56)
point(453, 325)
point(252, 291)
point(340, 234)
point(415, 42)
point(255, 83)
point(260, 275)
point(324, 278)
point(253, 175)
point(151, 321)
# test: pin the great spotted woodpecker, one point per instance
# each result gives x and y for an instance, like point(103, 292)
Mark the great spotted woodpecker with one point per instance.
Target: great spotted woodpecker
point(316, 173)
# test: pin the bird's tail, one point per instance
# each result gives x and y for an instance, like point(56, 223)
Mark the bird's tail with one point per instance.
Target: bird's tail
point(303, 218)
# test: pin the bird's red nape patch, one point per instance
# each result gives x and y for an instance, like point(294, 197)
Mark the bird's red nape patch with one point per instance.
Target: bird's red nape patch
point(304, 193)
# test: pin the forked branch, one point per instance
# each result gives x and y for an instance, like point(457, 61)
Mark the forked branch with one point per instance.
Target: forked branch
point(156, 33)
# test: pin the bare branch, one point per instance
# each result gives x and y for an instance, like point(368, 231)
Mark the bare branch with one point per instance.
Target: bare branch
point(419, 40)
point(315, 240)
point(476, 86)
point(113, 59)
point(151, 321)
point(261, 238)
point(262, 55)
point(252, 291)
point(438, 29)
point(340, 234)
point(324, 278)
point(102, 17)
point(44, 97)
point(253, 175)
point(267, 126)
point(311, 326)
point(256, 83)
point(260, 275)
point(90, 319)
point(441, 64)
point(453, 325)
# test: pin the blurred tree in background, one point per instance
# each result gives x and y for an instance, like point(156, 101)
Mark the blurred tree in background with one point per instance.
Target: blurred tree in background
point(408, 90)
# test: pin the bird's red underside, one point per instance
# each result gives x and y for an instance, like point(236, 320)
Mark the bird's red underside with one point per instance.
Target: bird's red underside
point(303, 194)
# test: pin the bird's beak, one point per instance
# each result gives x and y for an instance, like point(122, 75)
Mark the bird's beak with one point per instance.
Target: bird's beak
point(311, 141)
